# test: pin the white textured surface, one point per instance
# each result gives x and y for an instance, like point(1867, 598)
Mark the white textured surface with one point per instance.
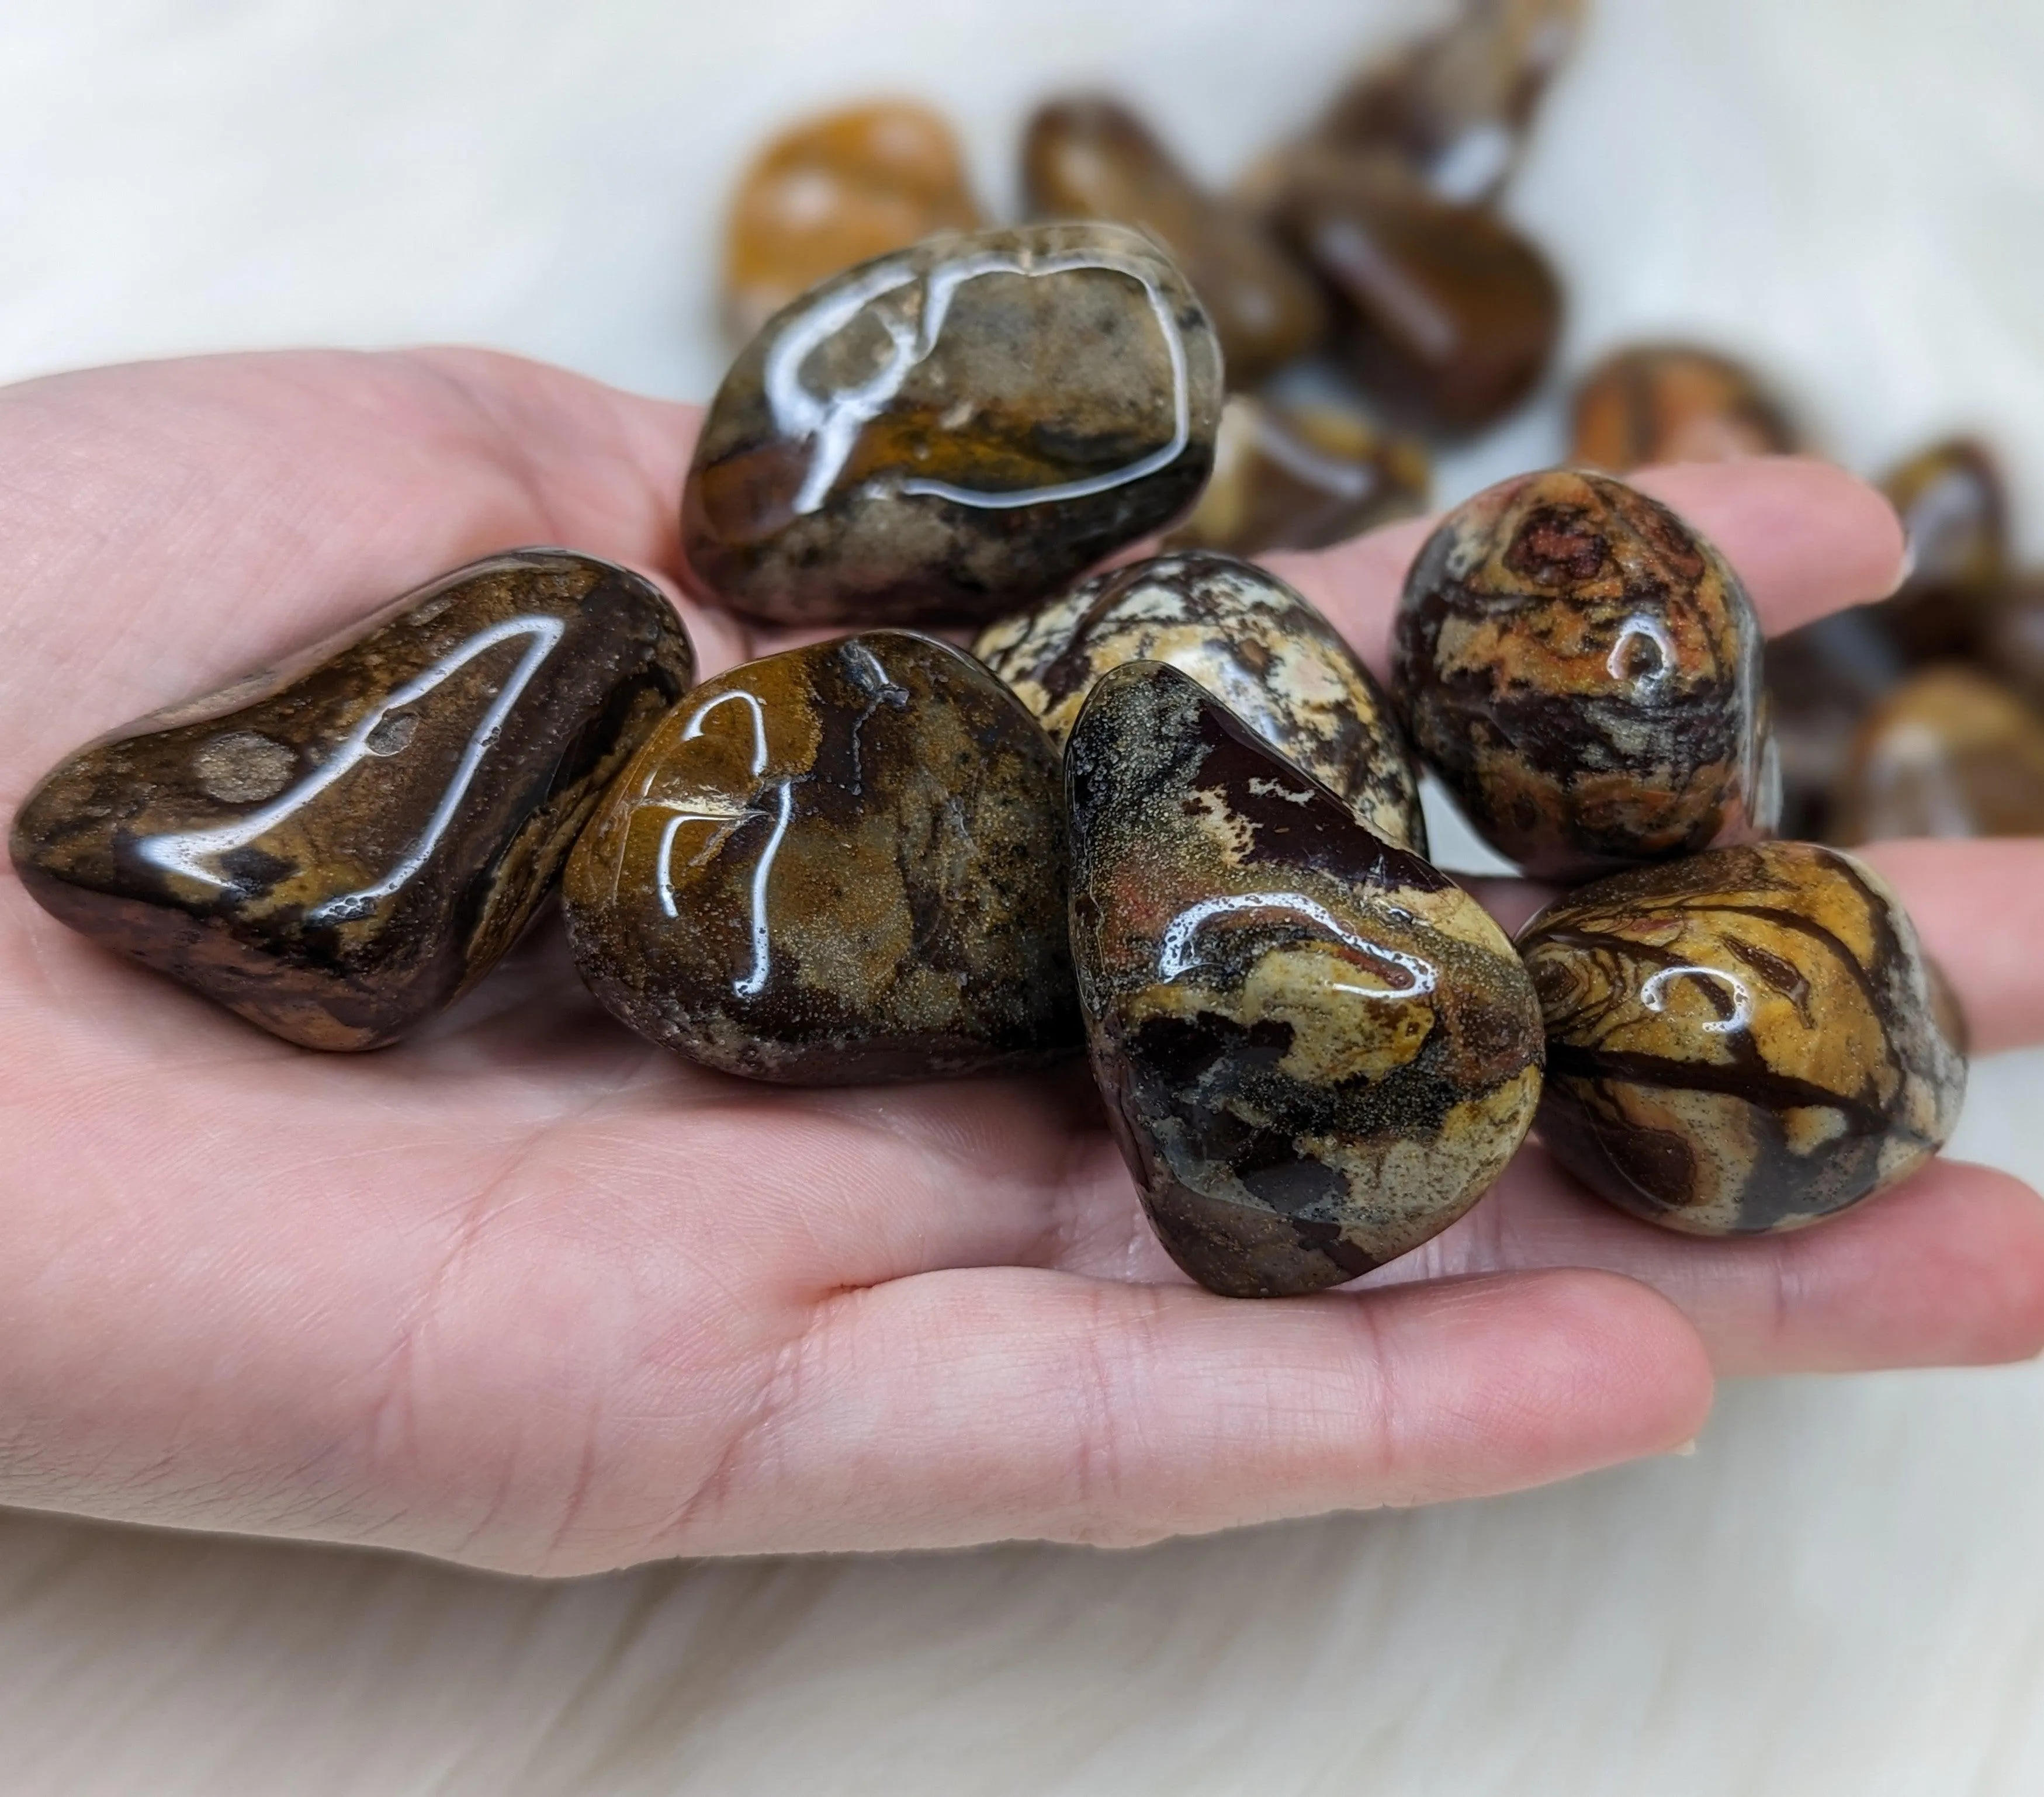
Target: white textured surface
point(1842, 1592)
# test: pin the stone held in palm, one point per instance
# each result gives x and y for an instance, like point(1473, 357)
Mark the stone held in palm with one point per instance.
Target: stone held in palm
point(955, 430)
point(1317, 1051)
point(843, 863)
point(336, 848)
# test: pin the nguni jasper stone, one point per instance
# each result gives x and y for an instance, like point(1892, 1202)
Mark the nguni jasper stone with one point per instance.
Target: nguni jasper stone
point(1950, 752)
point(1447, 317)
point(1750, 1040)
point(1249, 640)
point(1953, 505)
point(835, 190)
point(1091, 157)
point(1674, 402)
point(955, 430)
point(1583, 670)
point(840, 865)
point(336, 847)
point(1317, 1050)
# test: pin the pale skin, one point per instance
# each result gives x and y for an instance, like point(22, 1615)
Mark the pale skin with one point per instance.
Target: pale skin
point(528, 1293)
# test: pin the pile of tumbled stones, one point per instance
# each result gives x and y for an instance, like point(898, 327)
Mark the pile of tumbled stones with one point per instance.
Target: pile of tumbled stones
point(1161, 812)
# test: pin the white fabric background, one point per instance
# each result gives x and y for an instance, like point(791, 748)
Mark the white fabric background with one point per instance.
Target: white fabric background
point(1842, 1592)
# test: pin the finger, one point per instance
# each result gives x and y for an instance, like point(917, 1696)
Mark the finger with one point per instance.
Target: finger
point(958, 1407)
point(1806, 538)
point(1979, 907)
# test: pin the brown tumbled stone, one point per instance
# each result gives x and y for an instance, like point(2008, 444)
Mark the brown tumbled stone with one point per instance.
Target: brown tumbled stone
point(1316, 1049)
point(1249, 640)
point(834, 191)
point(841, 865)
point(336, 847)
point(2012, 641)
point(955, 430)
point(1823, 680)
point(1949, 753)
point(1447, 316)
point(1953, 505)
point(1674, 402)
point(1302, 474)
point(1583, 670)
point(1091, 157)
point(1749, 1040)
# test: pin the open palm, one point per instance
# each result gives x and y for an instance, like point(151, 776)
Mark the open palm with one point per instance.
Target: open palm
point(528, 1293)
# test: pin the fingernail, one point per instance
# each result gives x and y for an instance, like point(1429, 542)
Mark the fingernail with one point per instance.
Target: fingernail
point(1686, 1451)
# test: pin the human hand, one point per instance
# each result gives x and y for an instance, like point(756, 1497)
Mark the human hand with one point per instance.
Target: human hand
point(527, 1292)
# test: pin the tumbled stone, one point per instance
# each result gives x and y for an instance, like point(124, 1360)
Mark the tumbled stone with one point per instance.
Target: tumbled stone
point(1317, 1051)
point(2012, 646)
point(1303, 474)
point(841, 865)
point(1583, 670)
point(1823, 680)
point(1091, 157)
point(1249, 640)
point(955, 430)
point(336, 847)
point(1674, 402)
point(835, 190)
point(1446, 316)
point(1950, 752)
point(1455, 106)
point(1953, 505)
point(1749, 1040)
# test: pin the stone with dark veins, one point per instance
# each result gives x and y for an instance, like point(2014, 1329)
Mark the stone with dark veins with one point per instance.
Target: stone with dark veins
point(1317, 1050)
point(1583, 670)
point(954, 431)
point(840, 865)
point(337, 847)
point(1747, 1040)
point(1675, 402)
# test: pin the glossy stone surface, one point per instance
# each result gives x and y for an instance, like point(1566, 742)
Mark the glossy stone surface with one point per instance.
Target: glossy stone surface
point(954, 431)
point(1454, 107)
point(1950, 753)
point(1953, 505)
point(1446, 315)
point(840, 865)
point(1746, 1041)
point(1317, 1051)
point(1294, 474)
point(1674, 402)
point(1091, 157)
point(834, 191)
point(1823, 680)
point(1583, 670)
point(336, 847)
point(1249, 640)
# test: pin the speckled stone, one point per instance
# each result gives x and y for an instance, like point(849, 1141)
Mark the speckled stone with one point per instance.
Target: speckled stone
point(1303, 474)
point(834, 191)
point(1953, 505)
point(1249, 640)
point(1091, 157)
point(1950, 752)
point(1446, 316)
point(336, 848)
point(841, 865)
point(1675, 402)
point(955, 430)
point(1583, 670)
point(1747, 1040)
point(1317, 1051)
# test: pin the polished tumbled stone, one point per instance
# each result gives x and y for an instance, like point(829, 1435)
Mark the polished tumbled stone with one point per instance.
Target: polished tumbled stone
point(1747, 1040)
point(1248, 640)
point(840, 864)
point(955, 430)
point(1950, 752)
point(337, 847)
point(1316, 1049)
point(1675, 402)
point(1583, 670)
point(1953, 500)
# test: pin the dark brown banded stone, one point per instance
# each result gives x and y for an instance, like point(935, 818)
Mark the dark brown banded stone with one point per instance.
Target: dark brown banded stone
point(1950, 752)
point(841, 865)
point(1247, 638)
point(954, 430)
point(1675, 402)
point(1746, 1041)
point(1583, 669)
point(336, 847)
point(1317, 1051)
